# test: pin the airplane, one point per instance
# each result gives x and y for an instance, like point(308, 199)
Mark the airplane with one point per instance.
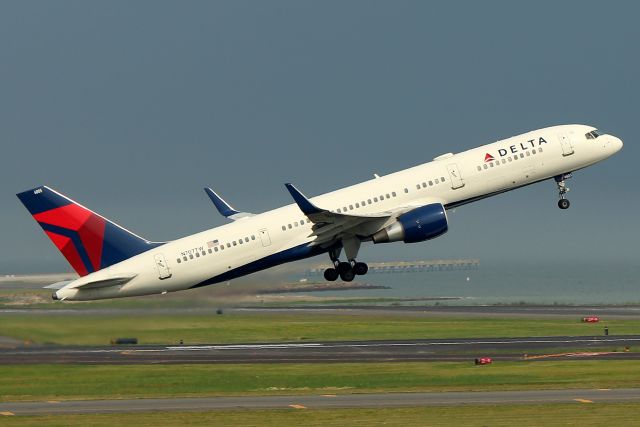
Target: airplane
point(408, 206)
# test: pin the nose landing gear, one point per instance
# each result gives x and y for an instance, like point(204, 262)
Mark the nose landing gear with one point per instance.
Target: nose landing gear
point(562, 190)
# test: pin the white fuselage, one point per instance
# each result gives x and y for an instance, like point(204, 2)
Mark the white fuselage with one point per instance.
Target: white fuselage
point(284, 234)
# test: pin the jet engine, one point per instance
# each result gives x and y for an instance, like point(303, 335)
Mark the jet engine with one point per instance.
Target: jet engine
point(420, 224)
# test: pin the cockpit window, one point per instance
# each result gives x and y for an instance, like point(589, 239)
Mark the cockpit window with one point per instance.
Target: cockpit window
point(593, 134)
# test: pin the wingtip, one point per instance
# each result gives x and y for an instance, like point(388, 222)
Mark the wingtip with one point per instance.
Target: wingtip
point(301, 200)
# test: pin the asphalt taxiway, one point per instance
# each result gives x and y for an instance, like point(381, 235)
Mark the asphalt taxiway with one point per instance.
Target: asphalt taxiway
point(372, 400)
point(535, 348)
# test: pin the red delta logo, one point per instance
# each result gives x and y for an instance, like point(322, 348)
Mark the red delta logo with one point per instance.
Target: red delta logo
point(488, 158)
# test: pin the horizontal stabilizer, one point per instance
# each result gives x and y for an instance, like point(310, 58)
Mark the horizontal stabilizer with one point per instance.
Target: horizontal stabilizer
point(225, 208)
point(105, 283)
point(58, 285)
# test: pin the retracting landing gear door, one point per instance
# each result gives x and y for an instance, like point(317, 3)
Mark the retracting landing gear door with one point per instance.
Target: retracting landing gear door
point(163, 268)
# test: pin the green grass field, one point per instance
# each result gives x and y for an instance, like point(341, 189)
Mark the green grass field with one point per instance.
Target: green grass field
point(578, 414)
point(57, 382)
point(278, 327)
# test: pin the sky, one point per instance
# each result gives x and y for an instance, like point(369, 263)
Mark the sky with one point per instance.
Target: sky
point(131, 108)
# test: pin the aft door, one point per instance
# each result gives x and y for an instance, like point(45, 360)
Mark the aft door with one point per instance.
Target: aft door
point(264, 237)
point(565, 143)
point(162, 267)
point(456, 177)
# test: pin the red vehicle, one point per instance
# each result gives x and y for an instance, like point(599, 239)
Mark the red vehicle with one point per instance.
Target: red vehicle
point(484, 361)
point(591, 319)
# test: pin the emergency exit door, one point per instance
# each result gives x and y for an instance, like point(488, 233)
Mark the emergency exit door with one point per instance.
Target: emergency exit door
point(264, 237)
point(565, 143)
point(162, 267)
point(456, 177)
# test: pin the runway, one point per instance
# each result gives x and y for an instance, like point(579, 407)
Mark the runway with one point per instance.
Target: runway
point(376, 400)
point(535, 348)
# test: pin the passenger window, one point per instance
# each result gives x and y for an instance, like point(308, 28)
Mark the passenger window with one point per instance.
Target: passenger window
point(357, 205)
point(437, 182)
point(197, 254)
point(215, 249)
point(534, 151)
point(442, 179)
point(369, 201)
point(350, 207)
point(388, 196)
point(289, 226)
point(504, 161)
point(485, 166)
point(418, 186)
point(540, 149)
point(528, 154)
point(178, 260)
point(515, 157)
point(522, 155)
point(406, 190)
point(339, 210)
point(479, 168)
point(253, 237)
point(190, 256)
point(284, 228)
point(393, 194)
point(234, 243)
point(424, 185)
point(228, 245)
point(295, 224)
point(508, 158)
point(375, 199)
point(203, 253)
point(431, 183)
point(491, 164)
point(184, 258)
point(240, 241)
point(210, 251)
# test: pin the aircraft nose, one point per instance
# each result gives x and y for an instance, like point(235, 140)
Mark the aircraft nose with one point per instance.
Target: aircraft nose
point(616, 143)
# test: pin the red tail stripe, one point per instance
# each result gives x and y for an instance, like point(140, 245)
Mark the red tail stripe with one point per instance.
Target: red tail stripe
point(65, 245)
point(92, 236)
point(69, 216)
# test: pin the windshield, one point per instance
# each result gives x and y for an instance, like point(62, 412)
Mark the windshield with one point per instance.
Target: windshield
point(593, 134)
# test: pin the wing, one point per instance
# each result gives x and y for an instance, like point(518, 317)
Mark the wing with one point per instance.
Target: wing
point(225, 208)
point(330, 227)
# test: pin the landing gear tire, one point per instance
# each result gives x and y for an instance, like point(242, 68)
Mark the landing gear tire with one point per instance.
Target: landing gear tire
point(564, 204)
point(342, 267)
point(360, 268)
point(348, 275)
point(331, 274)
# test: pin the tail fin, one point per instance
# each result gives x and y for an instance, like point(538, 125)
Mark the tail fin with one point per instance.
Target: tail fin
point(87, 240)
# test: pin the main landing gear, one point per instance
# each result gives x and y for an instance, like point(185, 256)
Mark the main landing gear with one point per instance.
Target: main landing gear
point(562, 190)
point(347, 271)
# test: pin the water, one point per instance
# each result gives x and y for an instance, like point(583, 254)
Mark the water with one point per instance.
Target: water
point(508, 283)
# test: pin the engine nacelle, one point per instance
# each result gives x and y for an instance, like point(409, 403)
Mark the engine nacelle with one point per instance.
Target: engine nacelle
point(423, 223)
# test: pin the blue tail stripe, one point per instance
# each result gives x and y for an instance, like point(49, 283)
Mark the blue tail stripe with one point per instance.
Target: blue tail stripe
point(119, 245)
point(41, 199)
